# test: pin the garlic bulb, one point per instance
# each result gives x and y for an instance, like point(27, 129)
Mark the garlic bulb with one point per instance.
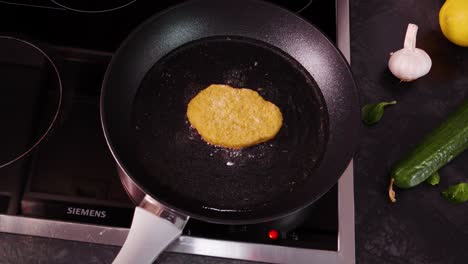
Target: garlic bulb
point(410, 63)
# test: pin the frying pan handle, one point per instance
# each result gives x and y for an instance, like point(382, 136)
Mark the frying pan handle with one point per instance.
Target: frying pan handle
point(153, 228)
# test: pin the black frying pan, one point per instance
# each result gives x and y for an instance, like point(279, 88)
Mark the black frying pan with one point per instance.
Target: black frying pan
point(164, 164)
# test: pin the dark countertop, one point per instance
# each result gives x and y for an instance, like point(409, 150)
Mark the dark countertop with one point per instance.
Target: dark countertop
point(421, 227)
point(28, 249)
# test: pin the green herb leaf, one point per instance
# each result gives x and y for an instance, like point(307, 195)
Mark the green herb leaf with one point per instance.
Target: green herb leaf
point(434, 179)
point(372, 113)
point(457, 193)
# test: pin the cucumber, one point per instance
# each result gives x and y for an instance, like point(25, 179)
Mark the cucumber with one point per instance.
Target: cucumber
point(438, 148)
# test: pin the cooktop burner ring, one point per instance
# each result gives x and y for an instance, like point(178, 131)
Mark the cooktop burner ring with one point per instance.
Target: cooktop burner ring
point(76, 7)
point(305, 7)
point(37, 140)
point(293, 6)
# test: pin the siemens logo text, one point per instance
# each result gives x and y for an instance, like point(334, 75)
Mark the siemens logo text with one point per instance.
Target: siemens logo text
point(86, 212)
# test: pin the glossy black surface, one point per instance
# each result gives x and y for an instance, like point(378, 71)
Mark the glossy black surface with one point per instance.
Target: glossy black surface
point(313, 227)
point(73, 167)
point(30, 100)
point(4, 203)
point(180, 166)
point(251, 19)
point(295, 6)
point(93, 6)
point(106, 30)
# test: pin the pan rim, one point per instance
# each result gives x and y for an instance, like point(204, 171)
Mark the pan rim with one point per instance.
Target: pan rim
point(343, 63)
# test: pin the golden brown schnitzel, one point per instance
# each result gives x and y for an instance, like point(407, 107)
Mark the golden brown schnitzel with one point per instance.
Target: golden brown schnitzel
point(233, 118)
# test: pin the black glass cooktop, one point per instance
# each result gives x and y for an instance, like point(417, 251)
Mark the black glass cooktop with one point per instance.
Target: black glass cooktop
point(72, 176)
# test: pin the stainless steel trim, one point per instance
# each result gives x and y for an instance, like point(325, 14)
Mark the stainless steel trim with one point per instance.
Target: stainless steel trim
point(253, 252)
point(156, 208)
point(346, 235)
point(346, 242)
point(342, 28)
point(63, 230)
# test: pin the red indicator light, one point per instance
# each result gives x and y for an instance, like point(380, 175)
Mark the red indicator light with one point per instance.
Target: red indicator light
point(273, 234)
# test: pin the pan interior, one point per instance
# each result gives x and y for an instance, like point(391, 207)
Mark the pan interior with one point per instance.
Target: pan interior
point(175, 166)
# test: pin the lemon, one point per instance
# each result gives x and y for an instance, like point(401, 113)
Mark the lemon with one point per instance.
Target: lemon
point(453, 20)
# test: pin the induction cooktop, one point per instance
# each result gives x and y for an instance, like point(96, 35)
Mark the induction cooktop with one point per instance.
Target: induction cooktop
point(68, 188)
